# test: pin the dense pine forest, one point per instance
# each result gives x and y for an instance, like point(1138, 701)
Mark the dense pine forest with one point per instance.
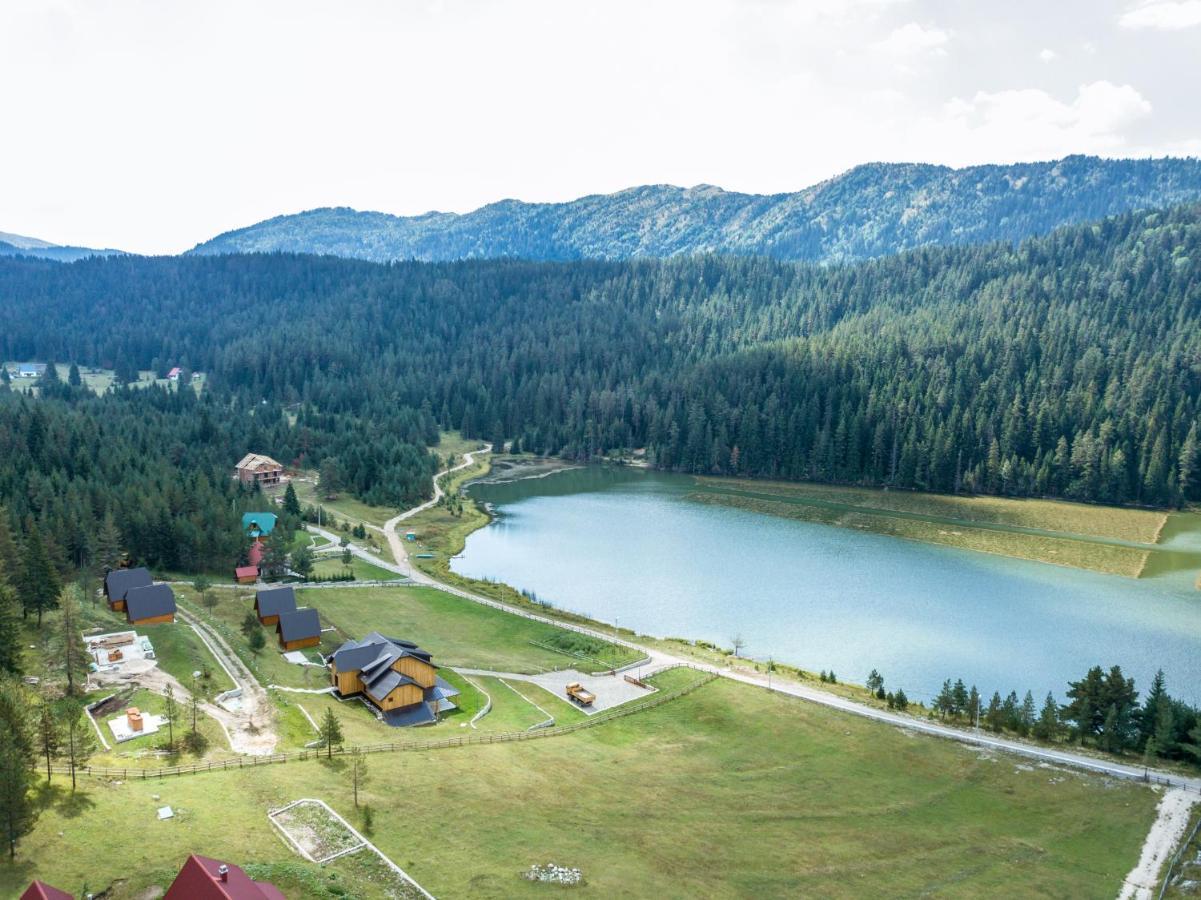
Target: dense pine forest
point(1068, 366)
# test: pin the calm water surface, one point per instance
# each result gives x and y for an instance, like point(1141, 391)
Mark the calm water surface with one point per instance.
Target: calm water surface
point(630, 547)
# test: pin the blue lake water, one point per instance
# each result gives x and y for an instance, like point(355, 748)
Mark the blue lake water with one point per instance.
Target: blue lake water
point(629, 546)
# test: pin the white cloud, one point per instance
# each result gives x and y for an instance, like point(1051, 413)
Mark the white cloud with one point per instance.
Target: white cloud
point(1047, 55)
point(1031, 123)
point(1165, 15)
point(913, 39)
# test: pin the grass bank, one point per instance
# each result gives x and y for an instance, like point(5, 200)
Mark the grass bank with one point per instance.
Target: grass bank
point(727, 792)
point(1113, 540)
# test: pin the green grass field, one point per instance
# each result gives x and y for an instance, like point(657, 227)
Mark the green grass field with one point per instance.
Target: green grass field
point(363, 570)
point(727, 792)
point(98, 380)
point(456, 631)
point(1074, 534)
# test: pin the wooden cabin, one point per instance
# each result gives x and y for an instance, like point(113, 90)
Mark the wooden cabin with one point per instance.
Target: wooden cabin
point(270, 604)
point(258, 469)
point(150, 605)
point(118, 582)
point(299, 628)
point(246, 574)
point(397, 676)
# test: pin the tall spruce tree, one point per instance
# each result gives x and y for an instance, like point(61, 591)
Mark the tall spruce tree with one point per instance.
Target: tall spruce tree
point(39, 585)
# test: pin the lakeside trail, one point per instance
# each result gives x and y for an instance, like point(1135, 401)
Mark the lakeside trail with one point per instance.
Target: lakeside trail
point(1171, 822)
point(655, 660)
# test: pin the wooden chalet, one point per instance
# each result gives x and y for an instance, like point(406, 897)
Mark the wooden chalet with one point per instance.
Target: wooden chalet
point(150, 605)
point(271, 603)
point(299, 628)
point(258, 469)
point(118, 582)
point(246, 574)
point(398, 677)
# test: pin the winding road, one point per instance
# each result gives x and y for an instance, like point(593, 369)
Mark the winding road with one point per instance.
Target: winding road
point(658, 659)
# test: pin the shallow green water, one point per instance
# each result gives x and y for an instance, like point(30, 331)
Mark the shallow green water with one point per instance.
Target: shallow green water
point(630, 546)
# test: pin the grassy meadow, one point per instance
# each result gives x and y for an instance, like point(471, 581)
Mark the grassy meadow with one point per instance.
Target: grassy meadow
point(726, 792)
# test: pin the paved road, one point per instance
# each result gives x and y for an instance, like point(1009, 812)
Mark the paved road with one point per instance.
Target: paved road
point(658, 659)
point(394, 540)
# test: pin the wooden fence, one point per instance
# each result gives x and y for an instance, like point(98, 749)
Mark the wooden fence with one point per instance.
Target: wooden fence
point(250, 762)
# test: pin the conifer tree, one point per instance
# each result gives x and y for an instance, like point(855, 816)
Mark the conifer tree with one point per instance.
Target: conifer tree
point(330, 732)
point(40, 584)
point(78, 739)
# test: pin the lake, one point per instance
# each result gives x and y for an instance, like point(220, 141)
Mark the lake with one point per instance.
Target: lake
point(628, 546)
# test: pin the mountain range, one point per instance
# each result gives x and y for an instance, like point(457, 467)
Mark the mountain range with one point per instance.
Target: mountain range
point(869, 211)
point(20, 245)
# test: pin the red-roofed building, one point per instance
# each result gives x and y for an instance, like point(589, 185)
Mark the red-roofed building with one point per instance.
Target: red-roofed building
point(39, 890)
point(202, 878)
point(174, 374)
point(246, 574)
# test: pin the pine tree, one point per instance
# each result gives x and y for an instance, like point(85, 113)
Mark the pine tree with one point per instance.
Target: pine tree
point(18, 809)
point(73, 377)
point(1027, 715)
point(10, 628)
point(291, 503)
point(330, 732)
point(74, 655)
point(106, 550)
point(994, 717)
point(170, 714)
point(78, 739)
point(875, 681)
point(256, 641)
point(203, 586)
point(1047, 726)
point(358, 772)
point(40, 584)
point(49, 733)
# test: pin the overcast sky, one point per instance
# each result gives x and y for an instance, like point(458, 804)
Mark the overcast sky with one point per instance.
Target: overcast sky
point(150, 126)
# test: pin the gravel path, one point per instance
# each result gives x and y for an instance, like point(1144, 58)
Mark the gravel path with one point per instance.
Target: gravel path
point(1171, 821)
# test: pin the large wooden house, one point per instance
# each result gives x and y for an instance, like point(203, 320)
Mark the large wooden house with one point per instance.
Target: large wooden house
point(150, 605)
point(271, 603)
point(396, 676)
point(258, 469)
point(118, 582)
point(299, 628)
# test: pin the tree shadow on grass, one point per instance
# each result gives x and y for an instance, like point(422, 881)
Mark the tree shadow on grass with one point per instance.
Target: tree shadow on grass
point(337, 764)
point(59, 795)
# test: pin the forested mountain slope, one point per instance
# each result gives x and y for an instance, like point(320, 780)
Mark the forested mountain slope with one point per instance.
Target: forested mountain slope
point(1069, 365)
point(872, 210)
point(19, 245)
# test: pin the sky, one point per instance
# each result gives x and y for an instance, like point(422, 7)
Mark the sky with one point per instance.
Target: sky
point(152, 126)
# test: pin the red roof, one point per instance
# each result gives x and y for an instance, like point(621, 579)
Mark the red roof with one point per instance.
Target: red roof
point(246, 571)
point(174, 372)
point(39, 890)
point(200, 879)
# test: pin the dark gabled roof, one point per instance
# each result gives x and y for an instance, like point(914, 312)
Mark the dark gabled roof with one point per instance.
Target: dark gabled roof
point(118, 581)
point(441, 690)
point(386, 683)
point(275, 601)
point(375, 651)
point(149, 602)
point(299, 624)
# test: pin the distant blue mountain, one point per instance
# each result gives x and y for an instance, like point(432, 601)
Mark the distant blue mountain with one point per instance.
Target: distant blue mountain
point(19, 245)
point(871, 210)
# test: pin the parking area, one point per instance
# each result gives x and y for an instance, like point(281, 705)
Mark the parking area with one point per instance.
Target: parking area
point(610, 690)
